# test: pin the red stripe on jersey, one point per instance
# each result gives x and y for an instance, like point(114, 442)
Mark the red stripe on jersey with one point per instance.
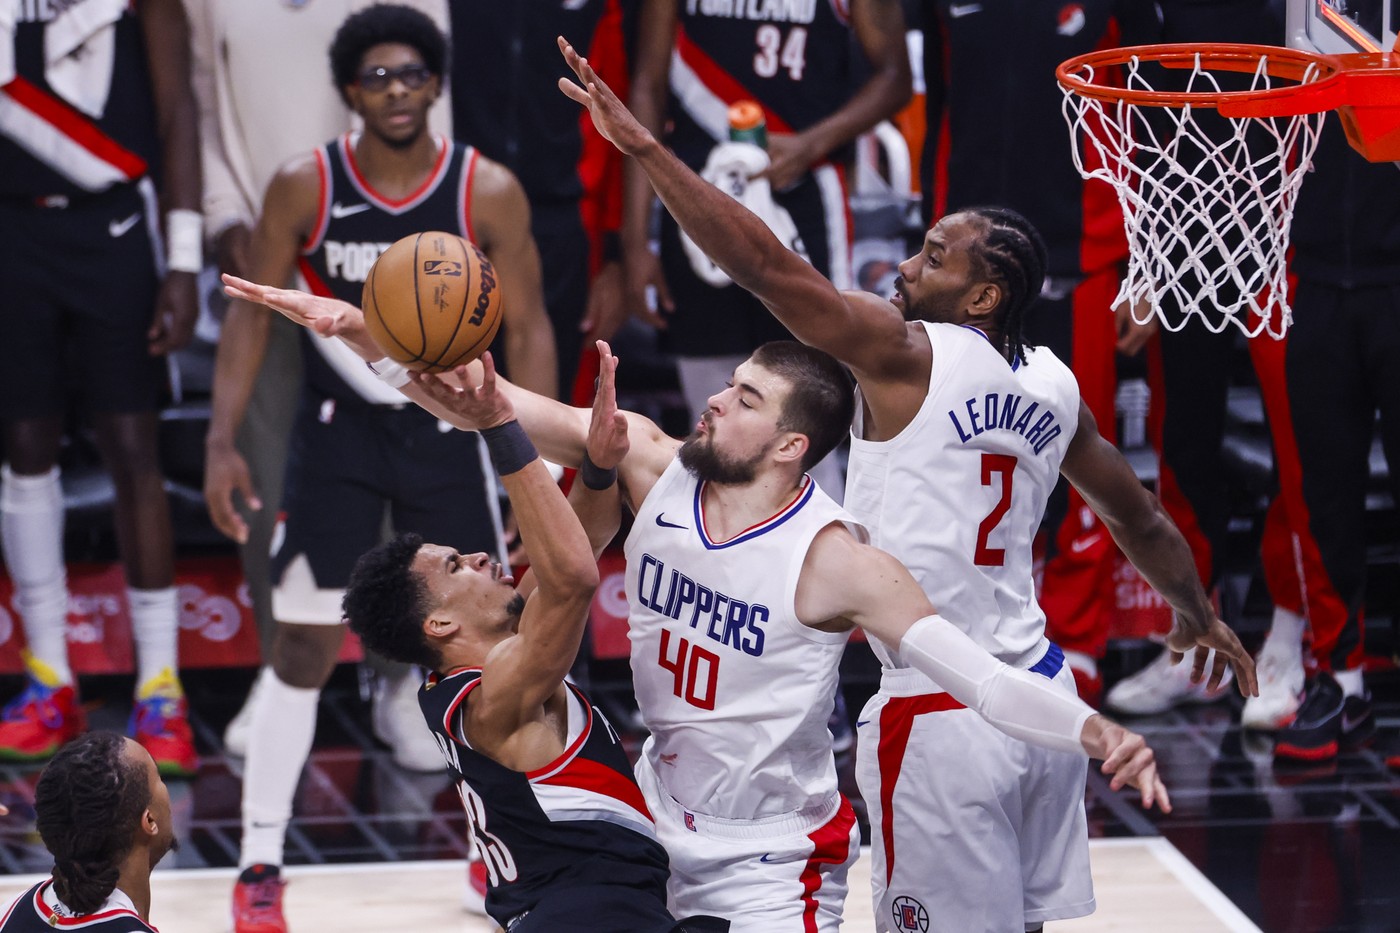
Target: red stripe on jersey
point(557, 764)
point(831, 846)
point(435, 176)
point(76, 127)
point(896, 722)
point(323, 198)
point(776, 518)
point(596, 777)
point(313, 281)
point(470, 175)
point(74, 923)
point(720, 82)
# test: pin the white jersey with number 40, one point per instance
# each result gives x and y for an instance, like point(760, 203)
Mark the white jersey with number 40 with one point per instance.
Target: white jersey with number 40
point(735, 690)
point(958, 495)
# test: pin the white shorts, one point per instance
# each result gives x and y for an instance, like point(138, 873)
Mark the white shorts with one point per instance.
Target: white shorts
point(784, 874)
point(971, 830)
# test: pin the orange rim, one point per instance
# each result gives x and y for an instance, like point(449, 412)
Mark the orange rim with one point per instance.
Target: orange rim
point(1290, 64)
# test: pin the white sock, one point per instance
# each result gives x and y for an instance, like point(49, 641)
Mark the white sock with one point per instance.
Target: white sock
point(1351, 682)
point(279, 742)
point(31, 530)
point(155, 618)
point(1285, 632)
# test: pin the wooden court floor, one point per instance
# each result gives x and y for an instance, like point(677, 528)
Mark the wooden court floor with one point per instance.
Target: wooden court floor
point(1142, 885)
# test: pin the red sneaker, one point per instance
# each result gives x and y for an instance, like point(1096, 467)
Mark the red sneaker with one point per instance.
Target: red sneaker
point(37, 722)
point(257, 900)
point(160, 722)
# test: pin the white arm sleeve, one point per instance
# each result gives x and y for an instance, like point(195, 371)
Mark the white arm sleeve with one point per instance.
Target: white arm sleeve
point(1025, 706)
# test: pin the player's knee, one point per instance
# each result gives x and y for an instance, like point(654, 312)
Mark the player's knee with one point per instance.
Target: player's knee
point(304, 655)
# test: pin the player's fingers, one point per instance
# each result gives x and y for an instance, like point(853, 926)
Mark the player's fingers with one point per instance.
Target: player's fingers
point(1164, 800)
point(1198, 664)
point(488, 374)
point(1219, 665)
point(574, 92)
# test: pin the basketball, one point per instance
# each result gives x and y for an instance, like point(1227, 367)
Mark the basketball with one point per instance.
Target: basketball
point(432, 302)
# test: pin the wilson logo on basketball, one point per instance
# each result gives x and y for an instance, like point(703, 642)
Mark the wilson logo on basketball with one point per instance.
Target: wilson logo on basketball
point(442, 267)
point(483, 298)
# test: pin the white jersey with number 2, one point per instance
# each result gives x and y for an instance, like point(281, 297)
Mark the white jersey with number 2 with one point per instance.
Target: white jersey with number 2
point(958, 495)
point(734, 689)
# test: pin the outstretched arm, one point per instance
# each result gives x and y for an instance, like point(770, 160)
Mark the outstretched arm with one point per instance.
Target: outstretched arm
point(596, 496)
point(522, 672)
point(862, 330)
point(1156, 547)
point(844, 579)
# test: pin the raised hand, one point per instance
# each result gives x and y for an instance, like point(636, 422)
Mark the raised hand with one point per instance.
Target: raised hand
point(329, 317)
point(1128, 758)
point(610, 115)
point(607, 429)
point(1228, 651)
point(483, 406)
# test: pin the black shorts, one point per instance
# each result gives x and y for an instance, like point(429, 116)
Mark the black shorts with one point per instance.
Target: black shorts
point(608, 908)
point(348, 462)
point(80, 293)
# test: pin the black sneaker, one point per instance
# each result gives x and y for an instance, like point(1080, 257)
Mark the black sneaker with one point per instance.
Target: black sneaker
point(1326, 722)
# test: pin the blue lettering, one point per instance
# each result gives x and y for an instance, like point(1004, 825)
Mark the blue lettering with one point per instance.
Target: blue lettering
point(734, 623)
point(754, 646)
point(962, 435)
point(1008, 412)
point(972, 417)
point(647, 561)
point(1044, 422)
point(1049, 436)
point(685, 595)
point(704, 601)
point(989, 409)
point(1024, 421)
point(716, 616)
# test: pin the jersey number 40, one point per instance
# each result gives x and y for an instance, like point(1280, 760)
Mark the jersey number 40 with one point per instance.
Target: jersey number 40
point(694, 670)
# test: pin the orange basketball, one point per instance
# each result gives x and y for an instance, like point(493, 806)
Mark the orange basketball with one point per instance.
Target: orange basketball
point(432, 302)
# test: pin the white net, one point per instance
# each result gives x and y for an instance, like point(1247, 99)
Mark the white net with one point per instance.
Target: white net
point(1207, 200)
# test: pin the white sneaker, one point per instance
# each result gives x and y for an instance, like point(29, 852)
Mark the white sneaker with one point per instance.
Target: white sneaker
point(1162, 685)
point(236, 732)
point(398, 722)
point(1281, 679)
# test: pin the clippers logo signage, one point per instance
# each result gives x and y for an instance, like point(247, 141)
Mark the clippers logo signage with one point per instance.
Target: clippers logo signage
point(1070, 20)
point(909, 915)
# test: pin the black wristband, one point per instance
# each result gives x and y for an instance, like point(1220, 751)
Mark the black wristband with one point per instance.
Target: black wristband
point(511, 450)
point(612, 246)
point(594, 476)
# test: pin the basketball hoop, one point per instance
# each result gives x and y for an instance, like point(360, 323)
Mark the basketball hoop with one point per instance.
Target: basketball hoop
point(1206, 147)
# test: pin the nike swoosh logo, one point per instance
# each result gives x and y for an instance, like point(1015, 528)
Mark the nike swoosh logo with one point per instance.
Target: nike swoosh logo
point(1079, 546)
point(765, 858)
point(959, 10)
point(118, 228)
point(665, 524)
point(1348, 724)
point(339, 210)
point(862, 722)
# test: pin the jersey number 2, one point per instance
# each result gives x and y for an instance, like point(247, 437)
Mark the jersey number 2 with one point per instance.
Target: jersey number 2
point(696, 671)
point(1005, 464)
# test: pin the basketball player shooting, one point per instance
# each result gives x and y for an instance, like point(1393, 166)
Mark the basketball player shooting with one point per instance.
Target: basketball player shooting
point(951, 468)
point(744, 581)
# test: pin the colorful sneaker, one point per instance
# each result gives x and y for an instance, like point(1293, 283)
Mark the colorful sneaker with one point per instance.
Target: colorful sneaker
point(37, 722)
point(1160, 686)
point(1327, 722)
point(160, 722)
point(474, 900)
point(1281, 678)
point(257, 900)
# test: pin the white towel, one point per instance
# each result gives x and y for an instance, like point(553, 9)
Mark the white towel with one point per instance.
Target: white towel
point(730, 168)
point(79, 47)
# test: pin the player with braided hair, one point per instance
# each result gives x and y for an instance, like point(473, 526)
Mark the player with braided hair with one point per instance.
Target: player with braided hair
point(960, 433)
point(104, 813)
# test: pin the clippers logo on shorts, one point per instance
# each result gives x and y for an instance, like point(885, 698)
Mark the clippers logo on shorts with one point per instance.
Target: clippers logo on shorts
point(909, 915)
point(449, 267)
point(690, 822)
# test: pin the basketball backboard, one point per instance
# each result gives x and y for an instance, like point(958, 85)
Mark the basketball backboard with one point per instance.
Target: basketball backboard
point(1339, 27)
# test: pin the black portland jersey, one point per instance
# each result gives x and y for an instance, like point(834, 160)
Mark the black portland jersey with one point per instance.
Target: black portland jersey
point(30, 914)
point(796, 58)
point(47, 144)
point(580, 820)
point(356, 224)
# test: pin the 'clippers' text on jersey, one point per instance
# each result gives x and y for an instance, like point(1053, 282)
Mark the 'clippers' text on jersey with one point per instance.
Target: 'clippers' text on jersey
point(705, 609)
